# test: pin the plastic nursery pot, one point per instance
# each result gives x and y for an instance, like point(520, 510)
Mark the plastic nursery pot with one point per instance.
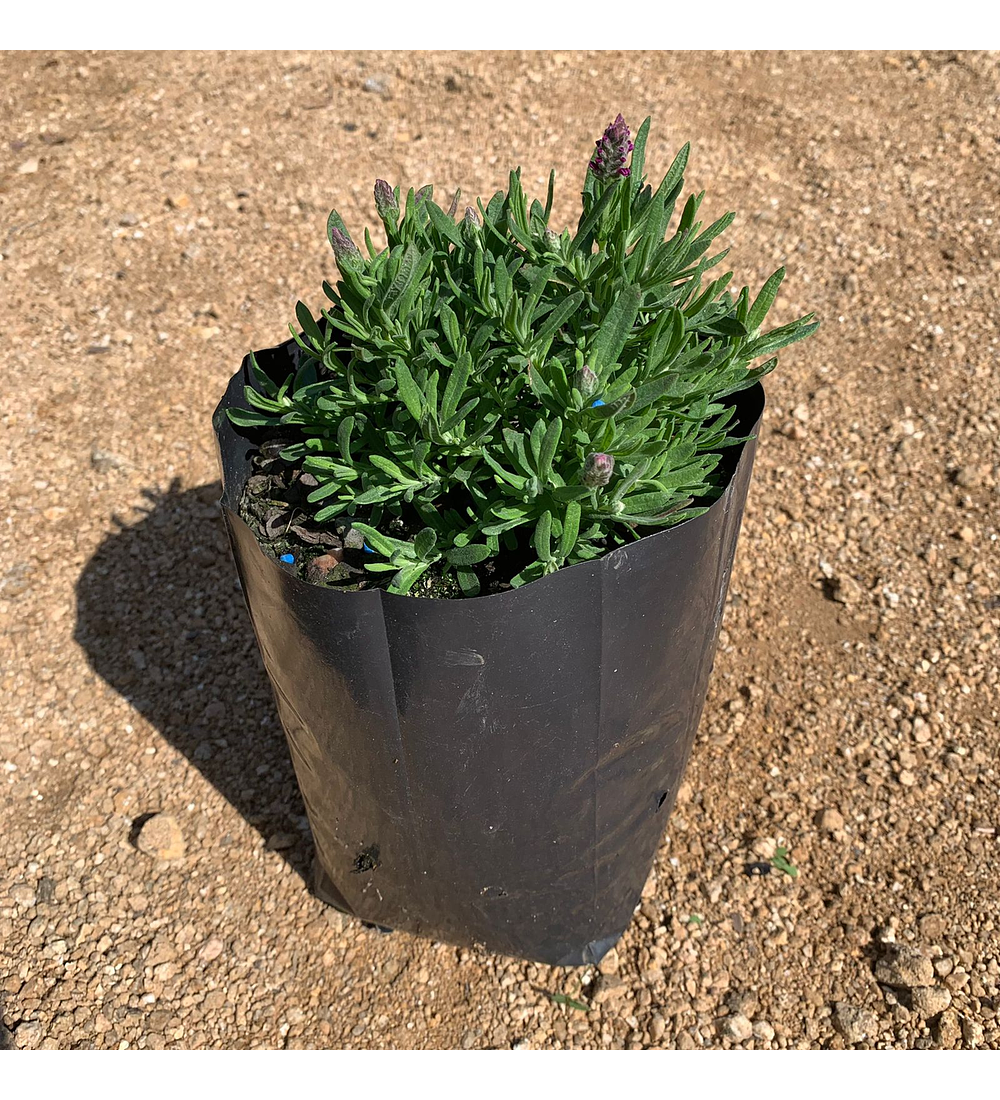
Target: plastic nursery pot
point(494, 771)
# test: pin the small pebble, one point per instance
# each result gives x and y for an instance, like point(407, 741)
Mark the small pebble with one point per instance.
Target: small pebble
point(970, 477)
point(830, 820)
point(972, 1032)
point(23, 895)
point(609, 987)
point(161, 838)
point(930, 1000)
point(212, 950)
point(903, 967)
point(855, 1024)
point(736, 1027)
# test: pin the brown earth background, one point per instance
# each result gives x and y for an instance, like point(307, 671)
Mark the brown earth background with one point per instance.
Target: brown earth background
point(160, 214)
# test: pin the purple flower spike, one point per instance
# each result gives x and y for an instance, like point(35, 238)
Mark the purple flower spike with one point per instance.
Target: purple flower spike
point(385, 200)
point(344, 249)
point(613, 148)
point(597, 470)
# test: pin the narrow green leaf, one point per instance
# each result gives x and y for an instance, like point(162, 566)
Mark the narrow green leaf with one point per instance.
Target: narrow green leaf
point(558, 317)
point(457, 381)
point(408, 264)
point(542, 538)
point(344, 437)
point(502, 284)
point(589, 223)
point(570, 529)
point(516, 480)
point(549, 193)
point(408, 391)
point(550, 443)
point(615, 328)
point(762, 303)
point(467, 555)
point(382, 543)
point(638, 162)
point(443, 224)
point(389, 467)
point(330, 511)
point(640, 503)
point(308, 323)
point(405, 579)
point(539, 387)
point(459, 415)
point(264, 404)
point(244, 418)
point(562, 999)
point(650, 392)
point(675, 173)
point(325, 489)
point(378, 494)
point(264, 383)
point(779, 338)
point(424, 543)
point(468, 582)
point(535, 438)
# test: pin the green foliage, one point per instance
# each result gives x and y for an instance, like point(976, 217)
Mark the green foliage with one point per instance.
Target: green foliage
point(781, 862)
point(569, 1002)
point(463, 379)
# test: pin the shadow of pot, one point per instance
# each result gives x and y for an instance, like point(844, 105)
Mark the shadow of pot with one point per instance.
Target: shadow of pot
point(162, 621)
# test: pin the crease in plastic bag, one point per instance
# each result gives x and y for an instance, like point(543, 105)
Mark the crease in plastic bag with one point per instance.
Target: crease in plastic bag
point(497, 771)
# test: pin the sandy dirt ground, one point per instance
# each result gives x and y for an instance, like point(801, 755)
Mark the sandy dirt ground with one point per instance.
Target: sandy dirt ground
point(160, 215)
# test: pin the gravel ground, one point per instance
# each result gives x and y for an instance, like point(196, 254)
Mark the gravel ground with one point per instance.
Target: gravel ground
point(160, 215)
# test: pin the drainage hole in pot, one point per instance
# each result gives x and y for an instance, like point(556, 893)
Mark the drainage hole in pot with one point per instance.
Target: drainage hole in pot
point(366, 860)
point(658, 799)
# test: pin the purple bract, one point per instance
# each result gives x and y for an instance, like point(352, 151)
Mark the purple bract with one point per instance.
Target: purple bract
point(613, 148)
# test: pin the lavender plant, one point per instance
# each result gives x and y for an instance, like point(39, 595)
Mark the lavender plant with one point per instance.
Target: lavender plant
point(490, 399)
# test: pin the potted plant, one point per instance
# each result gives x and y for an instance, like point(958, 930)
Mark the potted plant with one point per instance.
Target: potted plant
point(484, 511)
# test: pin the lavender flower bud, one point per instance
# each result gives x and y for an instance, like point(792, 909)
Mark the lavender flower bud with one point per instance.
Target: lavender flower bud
point(346, 251)
point(585, 381)
point(385, 201)
point(471, 227)
point(597, 470)
point(613, 148)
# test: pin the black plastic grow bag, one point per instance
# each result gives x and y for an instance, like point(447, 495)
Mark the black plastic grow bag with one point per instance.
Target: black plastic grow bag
point(495, 771)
